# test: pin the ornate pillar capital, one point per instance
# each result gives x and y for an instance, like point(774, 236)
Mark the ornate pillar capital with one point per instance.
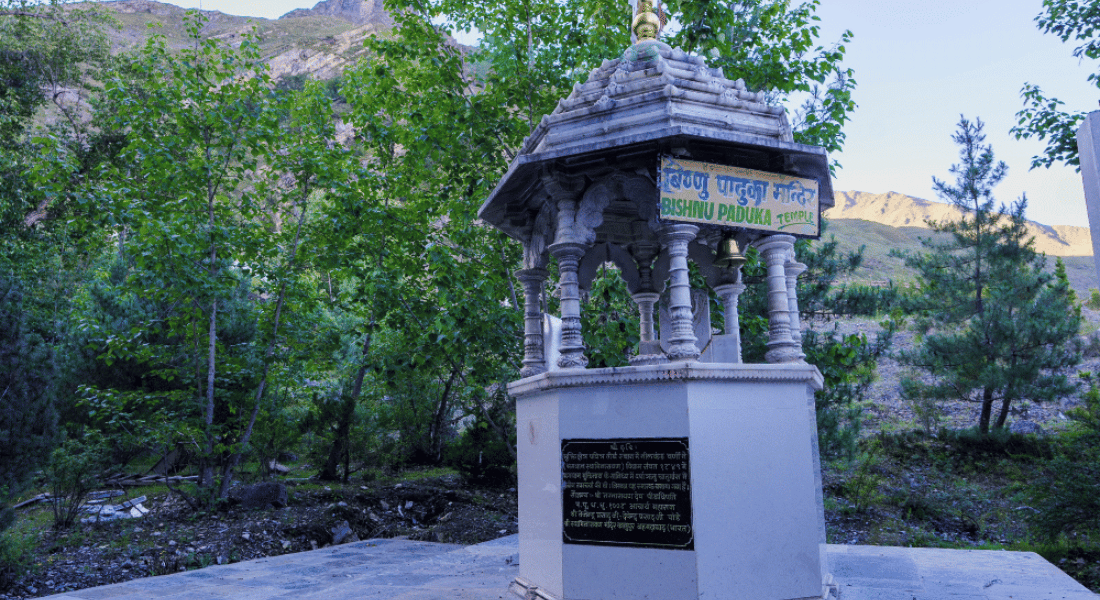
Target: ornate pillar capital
point(676, 236)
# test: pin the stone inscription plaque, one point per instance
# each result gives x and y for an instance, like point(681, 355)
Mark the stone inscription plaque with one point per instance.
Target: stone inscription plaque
point(627, 492)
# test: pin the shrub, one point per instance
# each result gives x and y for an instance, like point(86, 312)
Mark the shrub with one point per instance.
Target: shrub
point(862, 485)
point(865, 300)
point(15, 558)
point(481, 457)
point(1094, 299)
point(1087, 416)
point(1067, 496)
point(72, 472)
point(927, 410)
point(998, 442)
point(847, 363)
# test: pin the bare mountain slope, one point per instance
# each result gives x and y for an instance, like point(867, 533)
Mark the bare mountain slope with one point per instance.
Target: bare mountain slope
point(359, 12)
point(899, 210)
point(319, 42)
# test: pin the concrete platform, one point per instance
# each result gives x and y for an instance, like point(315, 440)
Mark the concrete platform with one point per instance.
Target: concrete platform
point(404, 570)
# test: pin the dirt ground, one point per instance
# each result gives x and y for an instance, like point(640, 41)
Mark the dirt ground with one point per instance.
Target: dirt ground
point(174, 538)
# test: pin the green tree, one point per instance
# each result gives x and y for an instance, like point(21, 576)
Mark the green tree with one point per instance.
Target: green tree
point(195, 134)
point(775, 48)
point(997, 327)
point(1043, 117)
point(534, 52)
point(212, 198)
point(423, 277)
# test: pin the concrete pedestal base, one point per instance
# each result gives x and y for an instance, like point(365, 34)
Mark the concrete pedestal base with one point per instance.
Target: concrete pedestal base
point(757, 521)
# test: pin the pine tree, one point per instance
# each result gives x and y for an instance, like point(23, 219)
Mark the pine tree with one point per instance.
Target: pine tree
point(28, 419)
point(998, 328)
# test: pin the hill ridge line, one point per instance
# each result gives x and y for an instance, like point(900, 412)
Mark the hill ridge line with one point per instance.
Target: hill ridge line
point(899, 210)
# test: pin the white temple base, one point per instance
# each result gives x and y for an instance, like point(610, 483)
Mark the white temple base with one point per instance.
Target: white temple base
point(757, 519)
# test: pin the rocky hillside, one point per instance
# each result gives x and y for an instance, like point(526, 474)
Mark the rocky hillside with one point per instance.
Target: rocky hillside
point(319, 42)
point(359, 12)
point(898, 210)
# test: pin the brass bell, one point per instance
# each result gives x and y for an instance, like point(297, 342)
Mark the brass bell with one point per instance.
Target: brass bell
point(729, 255)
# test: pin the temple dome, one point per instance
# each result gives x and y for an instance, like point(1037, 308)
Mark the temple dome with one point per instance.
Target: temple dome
point(654, 86)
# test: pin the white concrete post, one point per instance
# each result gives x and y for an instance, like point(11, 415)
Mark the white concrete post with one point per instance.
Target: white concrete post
point(1088, 146)
point(534, 359)
point(675, 239)
point(781, 347)
point(569, 256)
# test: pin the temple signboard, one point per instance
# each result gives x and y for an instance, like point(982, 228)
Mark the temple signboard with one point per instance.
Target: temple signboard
point(699, 192)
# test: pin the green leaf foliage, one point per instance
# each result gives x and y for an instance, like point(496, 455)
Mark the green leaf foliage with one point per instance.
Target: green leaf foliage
point(1045, 118)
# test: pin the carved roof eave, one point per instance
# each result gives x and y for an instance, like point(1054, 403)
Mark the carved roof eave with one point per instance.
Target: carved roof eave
point(518, 188)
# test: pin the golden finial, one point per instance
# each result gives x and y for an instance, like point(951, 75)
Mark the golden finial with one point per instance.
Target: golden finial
point(646, 24)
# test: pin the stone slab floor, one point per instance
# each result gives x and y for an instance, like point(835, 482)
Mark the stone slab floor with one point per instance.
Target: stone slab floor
point(403, 570)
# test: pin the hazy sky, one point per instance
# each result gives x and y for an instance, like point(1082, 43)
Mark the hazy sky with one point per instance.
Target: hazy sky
point(919, 65)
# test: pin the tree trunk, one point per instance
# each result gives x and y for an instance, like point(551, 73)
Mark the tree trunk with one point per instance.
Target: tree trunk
point(987, 409)
point(340, 451)
point(440, 416)
point(242, 445)
point(206, 478)
point(1002, 416)
point(341, 442)
point(347, 463)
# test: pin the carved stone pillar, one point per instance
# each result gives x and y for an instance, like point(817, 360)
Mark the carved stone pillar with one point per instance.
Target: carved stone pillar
point(729, 294)
point(646, 297)
point(649, 349)
point(534, 361)
point(781, 347)
point(569, 256)
point(646, 301)
point(794, 269)
point(675, 239)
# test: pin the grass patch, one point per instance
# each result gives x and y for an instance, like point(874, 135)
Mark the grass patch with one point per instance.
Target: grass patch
point(417, 475)
point(955, 489)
